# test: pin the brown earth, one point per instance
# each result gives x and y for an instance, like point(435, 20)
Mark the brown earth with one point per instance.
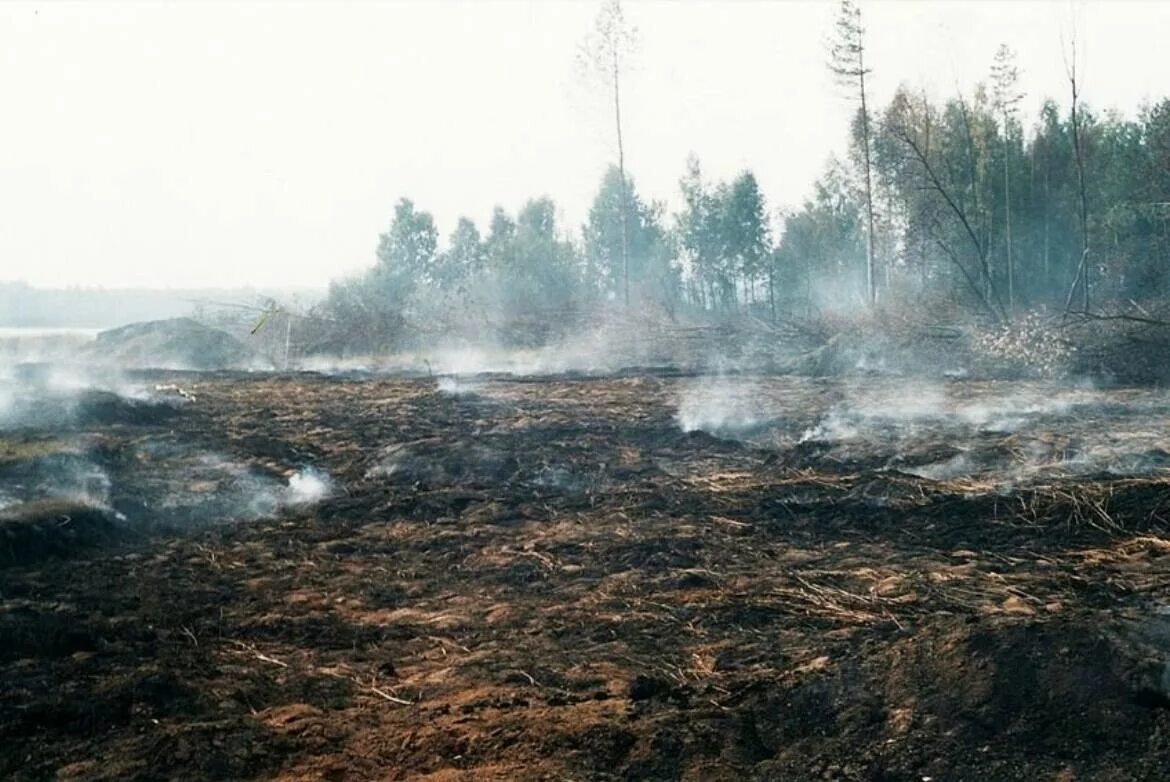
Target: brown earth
point(550, 580)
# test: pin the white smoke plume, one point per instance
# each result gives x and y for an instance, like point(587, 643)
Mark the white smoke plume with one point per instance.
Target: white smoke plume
point(307, 487)
point(721, 405)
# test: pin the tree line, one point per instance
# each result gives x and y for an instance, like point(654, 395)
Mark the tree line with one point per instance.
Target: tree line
point(717, 254)
point(956, 201)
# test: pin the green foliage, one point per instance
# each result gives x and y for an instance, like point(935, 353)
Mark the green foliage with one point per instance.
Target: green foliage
point(464, 258)
point(724, 238)
point(748, 240)
point(950, 177)
point(822, 255)
point(651, 255)
point(407, 252)
point(540, 267)
point(970, 208)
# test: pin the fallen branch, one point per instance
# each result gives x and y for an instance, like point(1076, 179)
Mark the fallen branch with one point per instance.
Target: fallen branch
point(387, 696)
point(252, 650)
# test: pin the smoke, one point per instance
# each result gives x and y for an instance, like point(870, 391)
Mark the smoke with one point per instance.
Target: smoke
point(30, 345)
point(917, 408)
point(436, 461)
point(70, 380)
point(588, 353)
point(44, 402)
point(39, 470)
point(307, 487)
point(1005, 433)
point(37, 366)
point(561, 479)
point(719, 405)
point(456, 386)
point(205, 488)
point(447, 363)
point(959, 466)
point(160, 483)
point(867, 416)
point(599, 342)
point(49, 410)
point(85, 483)
point(184, 488)
point(441, 462)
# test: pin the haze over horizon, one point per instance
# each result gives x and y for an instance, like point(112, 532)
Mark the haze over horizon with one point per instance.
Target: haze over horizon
point(265, 144)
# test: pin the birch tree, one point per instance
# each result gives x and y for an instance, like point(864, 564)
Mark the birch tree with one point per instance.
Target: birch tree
point(1005, 98)
point(1081, 280)
point(605, 56)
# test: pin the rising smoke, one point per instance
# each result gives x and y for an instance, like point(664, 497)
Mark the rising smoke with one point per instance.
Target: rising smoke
point(723, 406)
point(1005, 433)
point(51, 450)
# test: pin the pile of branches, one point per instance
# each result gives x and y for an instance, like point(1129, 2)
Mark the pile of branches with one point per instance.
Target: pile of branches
point(1124, 345)
point(1128, 346)
point(1033, 345)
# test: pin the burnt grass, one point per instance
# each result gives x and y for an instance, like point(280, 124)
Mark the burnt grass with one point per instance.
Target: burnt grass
point(550, 580)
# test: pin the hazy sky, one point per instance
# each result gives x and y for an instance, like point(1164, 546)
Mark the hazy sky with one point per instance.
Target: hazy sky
point(231, 143)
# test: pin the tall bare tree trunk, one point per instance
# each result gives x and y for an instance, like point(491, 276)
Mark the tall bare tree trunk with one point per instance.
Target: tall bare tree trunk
point(1047, 224)
point(617, 112)
point(847, 62)
point(1084, 265)
point(1007, 226)
point(1081, 278)
point(772, 289)
point(1004, 75)
point(871, 265)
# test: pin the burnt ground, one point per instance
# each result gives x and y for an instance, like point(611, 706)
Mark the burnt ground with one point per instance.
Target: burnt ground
point(551, 580)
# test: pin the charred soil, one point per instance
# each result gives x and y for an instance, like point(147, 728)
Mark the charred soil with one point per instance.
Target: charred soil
point(552, 580)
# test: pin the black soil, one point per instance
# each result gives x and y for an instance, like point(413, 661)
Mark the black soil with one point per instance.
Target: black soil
point(550, 580)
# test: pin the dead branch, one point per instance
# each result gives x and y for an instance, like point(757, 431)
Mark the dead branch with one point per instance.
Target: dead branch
point(254, 652)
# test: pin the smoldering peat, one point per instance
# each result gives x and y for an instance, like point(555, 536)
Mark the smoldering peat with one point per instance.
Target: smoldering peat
point(72, 437)
point(547, 543)
point(1003, 432)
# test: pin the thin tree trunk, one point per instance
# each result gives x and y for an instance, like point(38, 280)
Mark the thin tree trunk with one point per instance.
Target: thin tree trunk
point(617, 112)
point(1047, 224)
point(772, 290)
point(1007, 225)
point(991, 292)
point(922, 257)
point(871, 265)
point(1032, 207)
point(1083, 271)
point(287, 339)
point(985, 229)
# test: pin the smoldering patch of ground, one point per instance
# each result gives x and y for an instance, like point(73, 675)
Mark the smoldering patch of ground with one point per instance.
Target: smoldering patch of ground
point(995, 432)
point(552, 579)
point(92, 456)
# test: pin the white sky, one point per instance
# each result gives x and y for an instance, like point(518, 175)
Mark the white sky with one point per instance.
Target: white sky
point(232, 143)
